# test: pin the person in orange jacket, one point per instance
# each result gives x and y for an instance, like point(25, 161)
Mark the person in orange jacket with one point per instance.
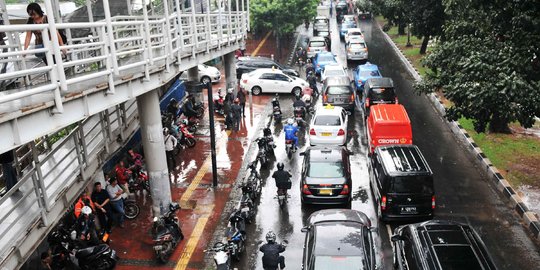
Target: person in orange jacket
point(84, 200)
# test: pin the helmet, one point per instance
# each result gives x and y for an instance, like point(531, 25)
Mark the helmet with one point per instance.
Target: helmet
point(271, 237)
point(280, 166)
point(230, 90)
point(297, 97)
point(290, 121)
point(274, 99)
point(86, 210)
point(165, 130)
point(309, 61)
point(219, 246)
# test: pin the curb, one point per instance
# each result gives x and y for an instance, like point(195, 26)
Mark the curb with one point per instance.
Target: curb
point(529, 218)
point(236, 193)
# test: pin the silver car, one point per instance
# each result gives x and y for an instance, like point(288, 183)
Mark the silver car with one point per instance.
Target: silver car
point(357, 50)
point(316, 45)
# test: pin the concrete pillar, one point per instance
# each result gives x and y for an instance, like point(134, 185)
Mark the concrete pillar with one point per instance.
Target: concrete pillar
point(193, 74)
point(154, 150)
point(230, 71)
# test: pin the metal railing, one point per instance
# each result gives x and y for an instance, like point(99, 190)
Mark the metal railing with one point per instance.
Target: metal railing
point(47, 173)
point(117, 45)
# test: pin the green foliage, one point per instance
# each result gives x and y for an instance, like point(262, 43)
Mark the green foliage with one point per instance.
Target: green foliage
point(281, 16)
point(487, 62)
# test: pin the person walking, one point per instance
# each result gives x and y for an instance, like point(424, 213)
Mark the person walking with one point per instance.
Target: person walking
point(10, 175)
point(170, 145)
point(236, 114)
point(241, 96)
point(117, 203)
point(122, 175)
point(103, 209)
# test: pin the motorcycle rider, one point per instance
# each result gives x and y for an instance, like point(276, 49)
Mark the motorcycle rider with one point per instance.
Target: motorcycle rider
point(271, 250)
point(309, 67)
point(86, 227)
point(282, 177)
point(188, 109)
point(312, 80)
point(299, 103)
point(172, 107)
point(290, 132)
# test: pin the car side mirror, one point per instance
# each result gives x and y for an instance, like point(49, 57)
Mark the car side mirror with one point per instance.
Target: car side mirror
point(348, 113)
point(396, 238)
point(305, 229)
point(302, 154)
point(290, 80)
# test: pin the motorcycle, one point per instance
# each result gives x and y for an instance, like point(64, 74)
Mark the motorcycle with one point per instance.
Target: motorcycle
point(299, 114)
point(236, 234)
point(191, 122)
point(131, 208)
point(221, 256)
point(289, 148)
point(254, 180)
point(167, 233)
point(219, 103)
point(185, 138)
point(261, 155)
point(276, 111)
point(67, 250)
point(138, 181)
point(282, 196)
point(246, 205)
point(267, 133)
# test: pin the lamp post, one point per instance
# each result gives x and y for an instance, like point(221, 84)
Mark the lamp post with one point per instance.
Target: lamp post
point(212, 134)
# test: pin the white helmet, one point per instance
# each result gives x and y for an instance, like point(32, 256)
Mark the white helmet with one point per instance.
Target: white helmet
point(230, 90)
point(290, 121)
point(86, 210)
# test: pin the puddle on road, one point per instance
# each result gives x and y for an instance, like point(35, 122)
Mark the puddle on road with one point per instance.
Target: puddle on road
point(361, 195)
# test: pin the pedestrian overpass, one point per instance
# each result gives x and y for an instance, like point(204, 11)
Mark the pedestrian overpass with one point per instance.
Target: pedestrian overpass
point(91, 95)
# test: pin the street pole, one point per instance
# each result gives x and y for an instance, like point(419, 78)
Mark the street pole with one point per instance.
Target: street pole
point(408, 36)
point(212, 134)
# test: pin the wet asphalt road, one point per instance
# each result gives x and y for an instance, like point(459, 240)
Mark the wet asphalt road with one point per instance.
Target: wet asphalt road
point(463, 193)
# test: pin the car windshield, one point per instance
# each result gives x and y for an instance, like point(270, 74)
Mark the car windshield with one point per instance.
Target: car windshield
point(457, 257)
point(321, 21)
point(326, 58)
point(338, 90)
point(327, 120)
point(412, 184)
point(346, 25)
point(370, 73)
point(334, 72)
point(355, 34)
point(323, 34)
point(338, 262)
point(382, 94)
point(357, 45)
point(325, 169)
point(317, 44)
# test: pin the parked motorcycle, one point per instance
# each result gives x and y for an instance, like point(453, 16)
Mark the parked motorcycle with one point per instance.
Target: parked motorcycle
point(167, 233)
point(185, 138)
point(254, 180)
point(267, 133)
point(262, 154)
point(138, 180)
point(192, 123)
point(236, 237)
point(246, 205)
point(219, 103)
point(221, 256)
point(67, 250)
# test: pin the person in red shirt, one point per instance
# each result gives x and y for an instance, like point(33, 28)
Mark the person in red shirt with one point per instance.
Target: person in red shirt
point(122, 175)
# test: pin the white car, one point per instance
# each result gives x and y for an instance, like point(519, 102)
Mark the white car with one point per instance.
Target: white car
point(267, 80)
point(357, 50)
point(353, 32)
point(206, 74)
point(333, 71)
point(329, 126)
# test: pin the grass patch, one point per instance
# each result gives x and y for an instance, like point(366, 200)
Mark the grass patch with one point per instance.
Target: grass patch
point(516, 156)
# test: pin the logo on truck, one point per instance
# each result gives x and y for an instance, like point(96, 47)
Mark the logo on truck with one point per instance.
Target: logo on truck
point(392, 141)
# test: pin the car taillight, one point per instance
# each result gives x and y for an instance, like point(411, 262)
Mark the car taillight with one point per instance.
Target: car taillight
point(325, 98)
point(433, 202)
point(367, 102)
point(341, 132)
point(345, 190)
point(352, 97)
point(305, 190)
point(312, 132)
point(383, 203)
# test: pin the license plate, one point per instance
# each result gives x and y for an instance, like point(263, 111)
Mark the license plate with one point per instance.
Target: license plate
point(325, 191)
point(326, 134)
point(408, 210)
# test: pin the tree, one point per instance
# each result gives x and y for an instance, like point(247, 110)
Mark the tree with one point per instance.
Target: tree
point(280, 16)
point(487, 62)
point(396, 11)
point(427, 18)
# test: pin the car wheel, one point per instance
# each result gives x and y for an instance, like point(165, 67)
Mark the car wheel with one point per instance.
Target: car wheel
point(297, 91)
point(256, 90)
point(205, 80)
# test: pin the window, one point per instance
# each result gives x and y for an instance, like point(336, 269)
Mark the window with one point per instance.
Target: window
point(338, 90)
point(327, 120)
point(410, 256)
point(357, 45)
point(382, 93)
point(326, 58)
point(370, 73)
point(317, 44)
point(267, 76)
point(281, 77)
point(412, 184)
point(325, 169)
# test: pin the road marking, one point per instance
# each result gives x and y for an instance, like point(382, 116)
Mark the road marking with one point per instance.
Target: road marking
point(184, 200)
point(261, 44)
point(193, 240)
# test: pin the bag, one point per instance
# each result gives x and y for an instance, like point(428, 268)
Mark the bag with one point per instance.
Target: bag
point(288, 185)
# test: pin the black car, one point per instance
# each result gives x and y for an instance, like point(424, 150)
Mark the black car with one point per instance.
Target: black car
point(378, 91)
point(342, 9)
point(338, 91)
point(402, 183)
point(340, 239)
point(439, 245)
point(249, 64)
point(326, 175)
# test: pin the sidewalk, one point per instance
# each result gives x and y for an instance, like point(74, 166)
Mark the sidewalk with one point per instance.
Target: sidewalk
point(191, 185)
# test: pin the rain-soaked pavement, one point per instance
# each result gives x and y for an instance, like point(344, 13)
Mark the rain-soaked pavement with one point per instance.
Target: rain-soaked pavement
point(463, 192)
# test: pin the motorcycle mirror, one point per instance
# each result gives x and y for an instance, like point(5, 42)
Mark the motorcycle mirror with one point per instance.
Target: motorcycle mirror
point(302, 154)
point(396, 238)
point(305, 229)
